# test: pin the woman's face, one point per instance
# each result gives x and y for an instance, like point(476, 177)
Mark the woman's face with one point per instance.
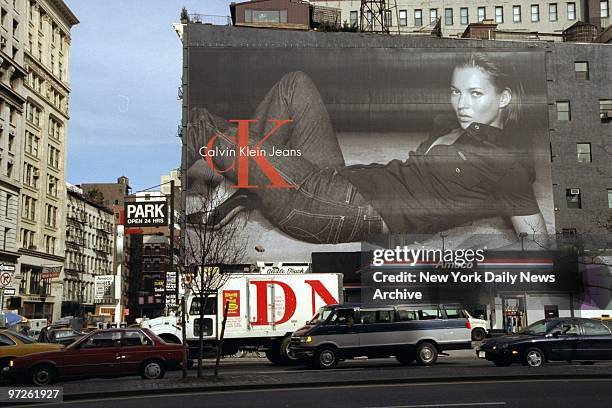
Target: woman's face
point(475, 99)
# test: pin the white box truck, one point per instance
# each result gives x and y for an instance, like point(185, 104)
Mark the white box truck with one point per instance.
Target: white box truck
point(264, 309)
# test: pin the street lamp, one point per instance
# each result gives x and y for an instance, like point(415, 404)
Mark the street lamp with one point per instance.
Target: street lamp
point(443, 235)
point(522, 236)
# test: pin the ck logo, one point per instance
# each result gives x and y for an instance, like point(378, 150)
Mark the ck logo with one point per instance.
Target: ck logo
point(244, 153)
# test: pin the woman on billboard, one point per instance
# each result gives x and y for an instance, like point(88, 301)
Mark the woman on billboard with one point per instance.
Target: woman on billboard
point(468, 169)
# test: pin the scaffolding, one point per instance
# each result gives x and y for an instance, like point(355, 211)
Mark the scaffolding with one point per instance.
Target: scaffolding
point(376, 16)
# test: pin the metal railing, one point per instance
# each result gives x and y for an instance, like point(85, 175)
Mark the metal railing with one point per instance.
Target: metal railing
point(209, 19)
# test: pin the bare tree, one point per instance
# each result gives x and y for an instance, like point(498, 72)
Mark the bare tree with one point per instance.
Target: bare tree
point(211, 242)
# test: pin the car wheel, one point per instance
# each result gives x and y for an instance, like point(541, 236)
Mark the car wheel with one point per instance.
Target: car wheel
point(478, 334)
point(43, 374)
point(534, 357)
point(273, 354)
point(152, 370)
point(326, 357)
point(426, 353)
point(406, 357)
point(286, 357)
point(502, 363)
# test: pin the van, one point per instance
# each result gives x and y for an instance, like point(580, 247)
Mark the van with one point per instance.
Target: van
point(408, 332)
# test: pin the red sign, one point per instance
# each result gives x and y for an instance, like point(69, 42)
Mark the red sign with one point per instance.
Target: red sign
point(50, 272)
point(233, 297)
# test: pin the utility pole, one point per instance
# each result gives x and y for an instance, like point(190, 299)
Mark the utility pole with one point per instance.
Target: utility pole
point(176, 275)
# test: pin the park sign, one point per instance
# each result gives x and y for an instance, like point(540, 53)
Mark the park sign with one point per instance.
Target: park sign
point(146, 214)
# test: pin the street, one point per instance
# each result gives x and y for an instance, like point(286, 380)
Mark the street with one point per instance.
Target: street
point(541, 394)
point(457, 379)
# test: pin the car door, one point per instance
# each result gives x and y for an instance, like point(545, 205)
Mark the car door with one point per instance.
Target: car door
point(376, 331)
point(96, 355)
point(561, 343)
point(340, 329)
point(595, 342)
point(135, 348)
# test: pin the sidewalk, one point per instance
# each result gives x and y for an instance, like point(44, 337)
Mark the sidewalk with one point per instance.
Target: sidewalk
point(270, 377)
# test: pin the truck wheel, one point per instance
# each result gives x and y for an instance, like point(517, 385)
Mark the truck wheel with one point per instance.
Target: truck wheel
point(478, 334)
point(273, 354)
point(426, 353)
point(325, 357)
point(286, 357)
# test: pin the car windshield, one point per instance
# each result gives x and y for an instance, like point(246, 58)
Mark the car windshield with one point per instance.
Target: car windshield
point(540, 327)
point(322, 315)
point(22, 338)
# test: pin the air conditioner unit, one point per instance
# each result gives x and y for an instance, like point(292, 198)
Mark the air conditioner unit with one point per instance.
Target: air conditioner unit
point(574, 191)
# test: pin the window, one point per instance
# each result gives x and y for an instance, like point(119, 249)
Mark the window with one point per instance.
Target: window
point(567, 328)
point(406, 315)
point(15, 27)
point(11, 142)
point(603, 9)
point(448, 16)
point(552, 12)
point(563, 111)
point(27, 240)
point(9, 169)
point(433, 16)
point(429, 314)
point(55, 128)
point(7, 204)
point(376, 316)
point(571, 11)
point(53, 157)
point(594, 328)
point(354, 19)
point(5, 341)
point(581, 70)
point(135, 338)
point(28, 211)
point(610, 198)
point(605, 109)
point(482, 14)
point(403, 18)
point(535, 13)
point(32, 142)
point(583, 151)
point(369, 19)
point(49, 244)
point(102, 339)
point(418, 18)
point(50, 216)
point(33, 114)
point(499, 14)
point(389, 18)
point(464, 16)
point(573, 198)
point(3, 17)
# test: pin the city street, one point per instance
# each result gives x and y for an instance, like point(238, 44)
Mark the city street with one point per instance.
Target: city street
point(359, 383)
point(541, 393)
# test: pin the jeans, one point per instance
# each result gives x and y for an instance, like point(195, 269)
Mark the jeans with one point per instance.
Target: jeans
point(323, 207)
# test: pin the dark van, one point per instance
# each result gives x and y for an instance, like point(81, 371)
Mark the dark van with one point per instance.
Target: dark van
point(408, 332)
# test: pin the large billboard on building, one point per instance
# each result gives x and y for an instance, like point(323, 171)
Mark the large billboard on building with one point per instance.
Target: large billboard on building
point(349, 139)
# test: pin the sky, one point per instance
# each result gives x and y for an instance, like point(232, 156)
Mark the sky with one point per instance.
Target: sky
point(125, 71)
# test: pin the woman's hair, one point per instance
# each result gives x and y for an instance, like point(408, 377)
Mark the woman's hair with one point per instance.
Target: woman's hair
point(503, 76)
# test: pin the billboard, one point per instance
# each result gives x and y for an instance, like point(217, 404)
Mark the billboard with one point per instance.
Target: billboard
point(146, 214)
point(337, 143)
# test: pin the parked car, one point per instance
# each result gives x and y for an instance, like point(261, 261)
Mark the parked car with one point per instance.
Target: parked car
point(559, 339)
point(102, 353)
point(61, 335)
point(407, 332)
point(480, 327)
point(13, 344)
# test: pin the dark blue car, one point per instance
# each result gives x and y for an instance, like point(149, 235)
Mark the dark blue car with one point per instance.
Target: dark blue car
point(560, 339)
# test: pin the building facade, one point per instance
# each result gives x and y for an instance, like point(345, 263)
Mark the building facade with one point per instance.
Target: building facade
point(384, 97)
point(41, 219)
point(13, 94)
point(537, 19)
point(89, 252)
